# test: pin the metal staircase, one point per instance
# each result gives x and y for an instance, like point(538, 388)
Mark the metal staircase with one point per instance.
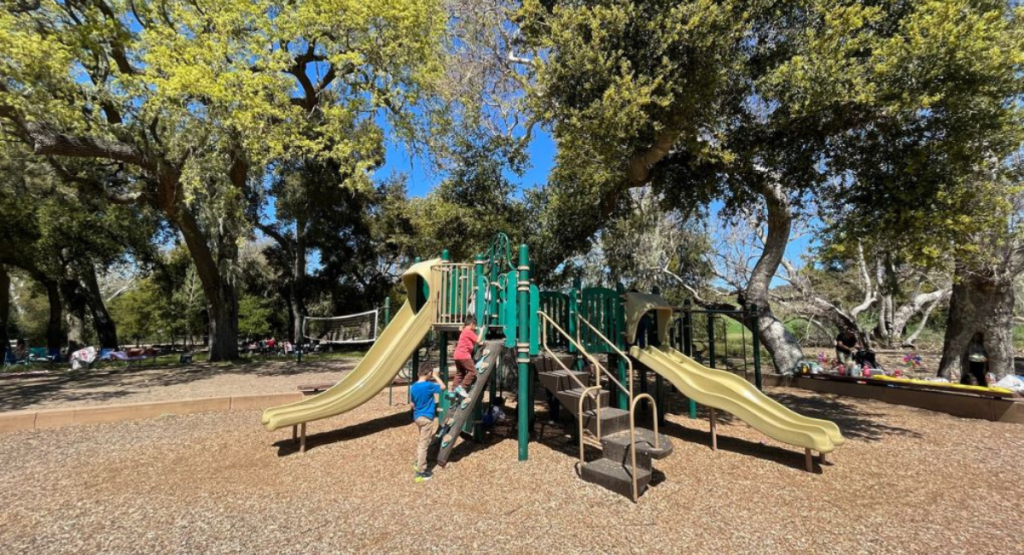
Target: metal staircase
point(628, 452)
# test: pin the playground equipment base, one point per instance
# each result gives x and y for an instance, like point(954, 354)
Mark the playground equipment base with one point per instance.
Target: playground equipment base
point(614, 469)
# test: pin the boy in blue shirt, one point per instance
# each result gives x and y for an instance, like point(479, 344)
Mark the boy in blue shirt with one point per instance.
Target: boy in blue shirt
point(424, 409)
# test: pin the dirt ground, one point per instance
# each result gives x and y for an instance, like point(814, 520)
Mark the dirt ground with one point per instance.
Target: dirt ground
point(164, 383)
point(908, 481)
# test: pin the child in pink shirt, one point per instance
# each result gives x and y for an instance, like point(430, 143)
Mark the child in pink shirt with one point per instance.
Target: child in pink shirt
point(465, 368)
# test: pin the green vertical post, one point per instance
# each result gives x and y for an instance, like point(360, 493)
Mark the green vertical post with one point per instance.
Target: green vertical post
point(387, 311)
point(711, 340)
point(522, 352)
point(442, 363)
point(688, 346)
point(415, 353)
point(756, 338)
point(478, 304)
point(620, 340)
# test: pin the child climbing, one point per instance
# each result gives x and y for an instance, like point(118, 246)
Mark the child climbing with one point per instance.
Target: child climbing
point(465, 367)
point(424, 408)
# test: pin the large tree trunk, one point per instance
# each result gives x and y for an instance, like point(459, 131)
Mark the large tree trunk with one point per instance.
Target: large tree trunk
point(5, 309)
point(979, 304)
point(106, 329)
point(221, 298)
point(74, 301)
point(54, 329)
point(781, 344)
point(296, 293)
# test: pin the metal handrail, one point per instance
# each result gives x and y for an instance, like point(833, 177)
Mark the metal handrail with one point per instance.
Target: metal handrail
point(633, 399)
point(597, 415)
point(629, 363)
point(573, 342)
point(544, 345)
point(632, 436)
point(587, 391)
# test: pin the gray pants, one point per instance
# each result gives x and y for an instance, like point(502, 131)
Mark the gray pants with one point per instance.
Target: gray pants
point(426, 431)
point(844, 357)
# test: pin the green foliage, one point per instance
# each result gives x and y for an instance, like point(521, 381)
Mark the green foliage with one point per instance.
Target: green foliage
point(625, 83)
point(476, 201)
point(254, 316)
point(140, 312)
point(931, 93)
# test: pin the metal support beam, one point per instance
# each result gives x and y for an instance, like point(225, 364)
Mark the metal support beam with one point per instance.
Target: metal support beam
point(523, 355)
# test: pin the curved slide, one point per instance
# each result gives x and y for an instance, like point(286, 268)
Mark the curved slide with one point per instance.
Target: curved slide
point(731, 393)
point(377, 369)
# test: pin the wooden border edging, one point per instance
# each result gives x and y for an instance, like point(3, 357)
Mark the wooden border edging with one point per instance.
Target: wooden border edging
point(23, 420)
point(957, 403)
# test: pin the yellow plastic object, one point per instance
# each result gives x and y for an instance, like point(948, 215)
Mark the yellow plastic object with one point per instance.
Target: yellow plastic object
point(964, 387)
point(731, 393)
point(638, 304)
point(378, 368)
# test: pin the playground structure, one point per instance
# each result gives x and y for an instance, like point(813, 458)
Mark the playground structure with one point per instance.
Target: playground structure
point(558, 339)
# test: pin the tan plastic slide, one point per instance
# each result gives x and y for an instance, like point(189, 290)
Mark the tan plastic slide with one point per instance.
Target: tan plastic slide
point(726, 391)
point(378, 368)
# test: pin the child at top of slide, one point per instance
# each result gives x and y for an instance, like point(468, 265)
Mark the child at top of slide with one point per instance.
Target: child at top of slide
point(465, 367)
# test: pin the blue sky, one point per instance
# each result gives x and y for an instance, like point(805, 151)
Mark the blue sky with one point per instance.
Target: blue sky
point(422, 180)
point(542, 152)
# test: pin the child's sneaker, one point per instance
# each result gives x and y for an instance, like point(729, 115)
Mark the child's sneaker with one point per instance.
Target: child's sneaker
point(423, 476)
point(461, 392)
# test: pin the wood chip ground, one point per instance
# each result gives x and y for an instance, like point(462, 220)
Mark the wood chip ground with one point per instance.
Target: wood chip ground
point(908, 481)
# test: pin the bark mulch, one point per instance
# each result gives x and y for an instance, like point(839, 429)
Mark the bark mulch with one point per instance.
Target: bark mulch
point(908, 481)
point(64, 389)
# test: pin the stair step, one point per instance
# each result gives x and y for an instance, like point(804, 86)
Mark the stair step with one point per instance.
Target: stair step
point(615, 476)
point(561, 380)
point(612, 420)
point(616, 447)
point(546, 363)
point(570, 399)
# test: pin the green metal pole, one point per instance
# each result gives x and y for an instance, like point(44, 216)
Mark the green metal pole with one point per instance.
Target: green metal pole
point(756, 338)
point(387, 311)
point(442, 362)
point(523, 351)
point(620, 338)
point(711, 340)
point(688, 345)
point(415, 353)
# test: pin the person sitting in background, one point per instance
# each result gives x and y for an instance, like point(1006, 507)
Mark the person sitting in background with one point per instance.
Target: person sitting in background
point(977, 362)
point(494, 414)
point(846, 343)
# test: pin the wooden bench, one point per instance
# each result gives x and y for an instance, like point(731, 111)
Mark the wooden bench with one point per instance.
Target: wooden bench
point(310, 389)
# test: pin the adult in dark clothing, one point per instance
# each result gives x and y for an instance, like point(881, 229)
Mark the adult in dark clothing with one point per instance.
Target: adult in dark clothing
point(846, 346)
point(977, 362)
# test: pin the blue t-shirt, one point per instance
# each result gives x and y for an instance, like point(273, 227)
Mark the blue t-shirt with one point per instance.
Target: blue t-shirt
point(423, 402)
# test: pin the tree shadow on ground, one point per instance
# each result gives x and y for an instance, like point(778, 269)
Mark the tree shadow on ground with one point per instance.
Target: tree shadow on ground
point(465, 447)
point(793, 458)
point(95, 385)
point(854, 420)
point(287, 447)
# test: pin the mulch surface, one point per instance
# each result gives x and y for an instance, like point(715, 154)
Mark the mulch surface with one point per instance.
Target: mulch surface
point(908, 481)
